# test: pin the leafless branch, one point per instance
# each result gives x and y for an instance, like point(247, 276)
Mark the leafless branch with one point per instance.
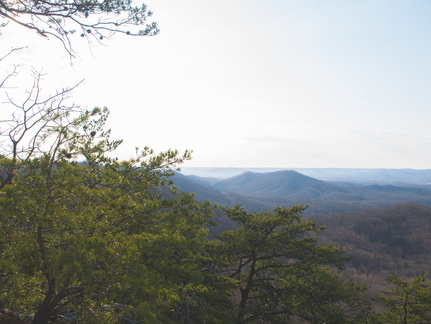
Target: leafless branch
point(35, 126)
point(92, 19)
point(14, 70)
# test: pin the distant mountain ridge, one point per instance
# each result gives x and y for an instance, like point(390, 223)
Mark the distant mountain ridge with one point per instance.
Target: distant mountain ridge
point(276, 184)
point(265, 191)
point(355, 175)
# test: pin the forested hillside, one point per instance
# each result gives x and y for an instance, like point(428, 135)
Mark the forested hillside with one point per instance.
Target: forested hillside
point(382, 241)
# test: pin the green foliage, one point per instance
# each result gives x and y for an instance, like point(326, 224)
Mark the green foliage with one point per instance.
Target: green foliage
point(319, 295)
point(76, 237)
point(408, 302)
point(282, 272)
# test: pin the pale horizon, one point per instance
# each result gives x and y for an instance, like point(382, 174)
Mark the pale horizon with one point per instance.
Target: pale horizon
point(260, 84)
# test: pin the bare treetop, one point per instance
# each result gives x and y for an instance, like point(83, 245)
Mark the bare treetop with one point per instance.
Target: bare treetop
point(93, 19)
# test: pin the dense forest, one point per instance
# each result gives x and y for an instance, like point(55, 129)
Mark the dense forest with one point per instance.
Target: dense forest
point(382, 241)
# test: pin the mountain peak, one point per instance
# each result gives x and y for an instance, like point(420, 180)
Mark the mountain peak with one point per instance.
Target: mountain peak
point(278, 183)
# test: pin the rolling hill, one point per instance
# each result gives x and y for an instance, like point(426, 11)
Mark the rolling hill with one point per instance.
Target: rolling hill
point(263, 191)
point(277, 184)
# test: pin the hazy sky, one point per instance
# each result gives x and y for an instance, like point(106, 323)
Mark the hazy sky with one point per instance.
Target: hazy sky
point(274, 83)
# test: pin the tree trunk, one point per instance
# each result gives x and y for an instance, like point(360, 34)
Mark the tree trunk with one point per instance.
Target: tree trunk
point(244, 297)
point(46, 308)
point(245, 292)
point(44, 313)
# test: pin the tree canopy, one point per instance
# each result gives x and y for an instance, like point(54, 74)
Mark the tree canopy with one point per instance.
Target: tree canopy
point(408, 302)
point(76, 237)
point(93, 19)
point(283, 273)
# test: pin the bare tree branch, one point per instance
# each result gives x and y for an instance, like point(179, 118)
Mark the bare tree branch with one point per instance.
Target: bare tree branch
point(92, 19)
point(35, 126)
point(14, 71)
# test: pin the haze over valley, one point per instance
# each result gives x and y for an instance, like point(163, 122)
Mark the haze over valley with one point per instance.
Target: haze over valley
point(331, 190)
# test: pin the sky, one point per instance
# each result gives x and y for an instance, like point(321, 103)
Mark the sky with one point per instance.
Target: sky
point(274, 83)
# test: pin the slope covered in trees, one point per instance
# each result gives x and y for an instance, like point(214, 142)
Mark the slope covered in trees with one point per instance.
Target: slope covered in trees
point(382, 241)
